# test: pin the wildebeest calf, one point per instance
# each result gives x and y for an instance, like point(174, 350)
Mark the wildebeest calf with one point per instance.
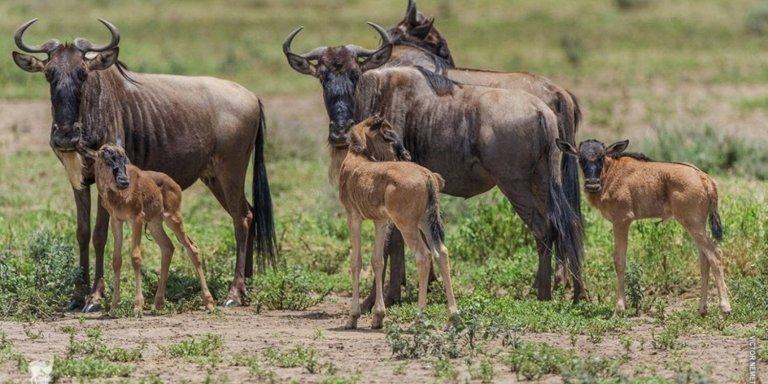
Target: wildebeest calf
point(398, 192)
point(629, 186)
point(142, 197)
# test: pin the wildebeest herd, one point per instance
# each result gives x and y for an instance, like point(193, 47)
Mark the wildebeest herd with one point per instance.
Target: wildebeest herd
point(404, 124)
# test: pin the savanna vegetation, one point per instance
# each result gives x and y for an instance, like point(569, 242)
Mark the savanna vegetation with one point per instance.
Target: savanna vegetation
point(685, 80)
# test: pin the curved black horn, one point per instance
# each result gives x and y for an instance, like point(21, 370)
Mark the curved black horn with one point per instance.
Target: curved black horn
point(311, 55)
point(46, 47)
point(362, 52)
point(411, 14)
point(87, 46)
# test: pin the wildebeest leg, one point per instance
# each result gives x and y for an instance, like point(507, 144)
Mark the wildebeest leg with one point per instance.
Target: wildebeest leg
point(166, 253)
point(441, 252)
point(231, 196)
point(377, 262)
point(412, 237)
point(697, 230)
point(83, 234)
point(394, 250)
point(136, 232)
point(174, 221)
point(525, 203)
point(249, 246)
point(704, 268)
point(620, 237)
point(93, 304)
point(117, 263)
point(355, 263)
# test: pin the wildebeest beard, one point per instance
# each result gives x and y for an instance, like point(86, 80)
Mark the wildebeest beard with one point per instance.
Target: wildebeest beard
point(338, 93)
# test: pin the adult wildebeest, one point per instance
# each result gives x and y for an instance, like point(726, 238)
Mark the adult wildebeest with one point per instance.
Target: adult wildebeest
point(626, 187)
point(418, 42)
point(403, 193)
point(142, 198)
point(475, 137)
point(187, 127)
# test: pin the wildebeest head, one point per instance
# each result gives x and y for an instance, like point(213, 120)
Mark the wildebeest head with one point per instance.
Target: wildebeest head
point(375, 138)
point(66, 68)
point(338, 69)
point(114, 157)
point(417, 29)
point(591, 155)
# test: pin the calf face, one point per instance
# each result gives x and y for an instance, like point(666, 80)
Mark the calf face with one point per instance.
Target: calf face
point(376, 139)
point(591, 155)
point(115, 158)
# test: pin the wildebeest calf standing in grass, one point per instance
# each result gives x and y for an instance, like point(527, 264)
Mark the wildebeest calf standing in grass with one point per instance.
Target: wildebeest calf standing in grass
point(386, 192)
point(142, 197)
point(629, 186)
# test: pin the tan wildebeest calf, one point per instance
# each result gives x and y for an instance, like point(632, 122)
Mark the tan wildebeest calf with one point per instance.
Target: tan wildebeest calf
point(629, 186)
point(142, 197)
point(391, 192)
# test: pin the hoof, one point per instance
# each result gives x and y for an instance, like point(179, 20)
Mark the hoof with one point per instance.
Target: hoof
point(91, 308)
point(351, 323)
point(73, 306)
point(232, 303)
point(725, 314)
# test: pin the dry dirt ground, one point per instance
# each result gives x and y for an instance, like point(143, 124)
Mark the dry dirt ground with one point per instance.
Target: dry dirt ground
point(362, 352)
point(630, 111)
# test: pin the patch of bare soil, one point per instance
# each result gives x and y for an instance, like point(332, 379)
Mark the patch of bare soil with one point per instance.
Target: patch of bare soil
point(362, 352)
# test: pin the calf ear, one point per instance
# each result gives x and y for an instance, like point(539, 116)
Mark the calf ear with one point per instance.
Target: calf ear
point(617, 147)
point(356, 144)
point(566, 147)
point(377, 59)
point(301, 65)
point(103, 60)
point(27, 62)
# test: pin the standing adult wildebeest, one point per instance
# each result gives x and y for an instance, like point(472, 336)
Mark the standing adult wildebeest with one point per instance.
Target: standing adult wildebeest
point(475, 137)
point(418, 42)
point(187, 127)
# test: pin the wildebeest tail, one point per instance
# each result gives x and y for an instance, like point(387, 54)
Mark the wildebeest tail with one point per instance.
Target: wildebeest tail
point(436, 231)
point(564, 223)
point(715, 224)
point(567, 120)
point(264, 230)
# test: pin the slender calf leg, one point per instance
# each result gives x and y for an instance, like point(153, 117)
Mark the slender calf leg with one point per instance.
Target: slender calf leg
point(377, 262)
point(704, 267)
point(166, 252)
point(445, 272)
point(708, 247)
point(117, 262)
point(620, 237)
point(177, 226)
point(412, 237)
point(138, 300)
point(356, 262)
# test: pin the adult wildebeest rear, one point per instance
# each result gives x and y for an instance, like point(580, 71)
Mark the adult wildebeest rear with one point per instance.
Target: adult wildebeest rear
point(187, 127)
point(475, 137)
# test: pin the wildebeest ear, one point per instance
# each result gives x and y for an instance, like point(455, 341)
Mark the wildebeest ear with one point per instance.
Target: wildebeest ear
point(566, 147)
point(103, 60)
point(356, 144)
point(617, 147)
point(378, 58)
point(300, 64)
point(27, 62)
point(421, 31)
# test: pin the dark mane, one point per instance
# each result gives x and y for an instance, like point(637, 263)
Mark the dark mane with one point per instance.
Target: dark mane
point(634, 155)
point(441, 64)
point(440, 84)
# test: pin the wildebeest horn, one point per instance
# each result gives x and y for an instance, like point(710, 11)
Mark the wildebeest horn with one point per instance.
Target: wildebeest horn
point(46, 47)
point(311, 55)
point(362, 52)
point(411, 14)
point(86, 46)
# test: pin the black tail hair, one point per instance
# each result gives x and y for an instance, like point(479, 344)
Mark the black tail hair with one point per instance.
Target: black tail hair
point(715, 224)
point(263, 218)
point(569, 171)
point(436, 229)
point(565, 225)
